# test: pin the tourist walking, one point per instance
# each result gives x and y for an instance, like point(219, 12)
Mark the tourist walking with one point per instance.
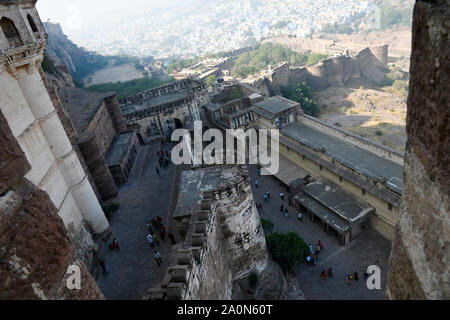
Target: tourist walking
point(281, 208)
point(104, 266)
point(355, 276)
point(258, 171)
point(149, 228)
point(157, 257)
point(300, 216)
point(330, 272)
point(286, 213)
point(167, 162)
point(172, 238)
point(265, 198)
point(282, 196)
point(323, 275)
point(320, 244)
point(308, 259)
point(150, 240)
point(156, 239)
point(256, 183)
point(157, 171)
point(268, 194)
point(310, 248)
point(316, 254)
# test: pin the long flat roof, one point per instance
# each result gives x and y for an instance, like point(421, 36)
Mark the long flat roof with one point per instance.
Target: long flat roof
point(351, 156)
point(276, 104)
point(156, 101)
point(119, 148)
point(332, 219)
point(337, 200)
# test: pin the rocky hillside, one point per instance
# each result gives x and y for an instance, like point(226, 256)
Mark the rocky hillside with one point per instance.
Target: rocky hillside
point(67, 57)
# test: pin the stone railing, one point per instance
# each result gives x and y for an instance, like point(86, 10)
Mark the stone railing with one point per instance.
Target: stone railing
point(190, 84)
point(373, 147)
point(22, 55)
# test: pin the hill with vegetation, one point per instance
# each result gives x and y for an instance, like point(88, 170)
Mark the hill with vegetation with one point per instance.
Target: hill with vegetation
point(271, 54)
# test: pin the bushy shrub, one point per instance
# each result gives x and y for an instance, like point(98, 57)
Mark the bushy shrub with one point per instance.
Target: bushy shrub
point(287, 249)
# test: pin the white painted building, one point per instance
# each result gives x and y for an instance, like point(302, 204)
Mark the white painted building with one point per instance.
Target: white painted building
point(29, 111)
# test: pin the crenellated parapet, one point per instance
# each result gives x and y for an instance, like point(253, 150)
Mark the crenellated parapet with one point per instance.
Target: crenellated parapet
point(224, 242)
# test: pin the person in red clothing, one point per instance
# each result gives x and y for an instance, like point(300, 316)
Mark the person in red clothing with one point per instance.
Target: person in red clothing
point(323, 275)
point(320, 244)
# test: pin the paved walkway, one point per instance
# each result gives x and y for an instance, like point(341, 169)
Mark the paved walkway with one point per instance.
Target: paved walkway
point(368, 248)
point(147, 195)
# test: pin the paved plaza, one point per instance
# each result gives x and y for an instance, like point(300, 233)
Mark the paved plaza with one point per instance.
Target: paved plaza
point(146, 195)
point(368, 248)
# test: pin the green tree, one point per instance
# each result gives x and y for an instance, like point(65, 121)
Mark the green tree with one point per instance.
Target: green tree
point(301, 93)
point(287, 249)
point(271, 54)
point(267, 225)
point(210, 80)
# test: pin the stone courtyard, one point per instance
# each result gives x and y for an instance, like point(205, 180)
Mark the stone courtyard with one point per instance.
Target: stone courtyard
point(146, 195)
point(368, 248)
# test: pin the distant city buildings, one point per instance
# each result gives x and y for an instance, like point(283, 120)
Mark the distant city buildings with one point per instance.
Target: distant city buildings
point(219, 27)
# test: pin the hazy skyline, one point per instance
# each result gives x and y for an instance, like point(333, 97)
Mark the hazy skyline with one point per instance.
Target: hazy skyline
point(76, 16)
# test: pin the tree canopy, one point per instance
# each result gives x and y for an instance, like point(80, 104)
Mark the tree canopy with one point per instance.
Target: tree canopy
point(287, 249)
point(271, 54)
point(301, 93)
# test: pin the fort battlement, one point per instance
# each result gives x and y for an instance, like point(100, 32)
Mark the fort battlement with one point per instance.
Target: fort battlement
point(214, 254)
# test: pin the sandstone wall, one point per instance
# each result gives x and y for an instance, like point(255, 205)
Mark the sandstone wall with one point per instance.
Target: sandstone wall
point(419, 262)
point(34, 245)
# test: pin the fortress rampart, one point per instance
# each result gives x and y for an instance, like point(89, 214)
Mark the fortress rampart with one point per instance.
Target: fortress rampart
point(367, 64)
point(224, 242)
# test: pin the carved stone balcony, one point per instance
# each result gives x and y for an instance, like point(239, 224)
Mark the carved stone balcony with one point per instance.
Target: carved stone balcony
point(22, 55)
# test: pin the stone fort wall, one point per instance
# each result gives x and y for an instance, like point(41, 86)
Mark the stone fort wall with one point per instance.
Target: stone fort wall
point(224, 243)
point(334, 71)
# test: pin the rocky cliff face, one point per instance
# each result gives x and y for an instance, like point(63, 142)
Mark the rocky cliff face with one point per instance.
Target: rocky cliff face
point(35, 250)
point(68, 58)
point(420, 252)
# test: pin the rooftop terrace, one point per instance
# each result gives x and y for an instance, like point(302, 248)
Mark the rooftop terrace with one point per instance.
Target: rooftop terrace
point(275, 105)
point(82, 105)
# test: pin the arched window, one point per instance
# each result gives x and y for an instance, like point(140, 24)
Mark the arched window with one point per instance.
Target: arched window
point(10, 32)
point(32, 24)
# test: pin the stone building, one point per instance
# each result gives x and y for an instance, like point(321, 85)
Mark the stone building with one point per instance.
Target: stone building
point(161, 110)
point(312, 149)
point(52, 167)
point(122, 155)
point(99, 125)
point(337, 210)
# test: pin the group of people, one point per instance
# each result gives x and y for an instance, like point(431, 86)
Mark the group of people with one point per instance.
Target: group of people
point(314, 253)
point(163, 159)
point(157, 232)
point(323, 274)
point(114, 245)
